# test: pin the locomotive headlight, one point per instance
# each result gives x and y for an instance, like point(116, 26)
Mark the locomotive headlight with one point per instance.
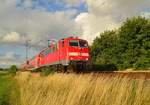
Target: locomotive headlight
point(87, 59)
point(85, 54)
point(71, 58)
point(73, 54)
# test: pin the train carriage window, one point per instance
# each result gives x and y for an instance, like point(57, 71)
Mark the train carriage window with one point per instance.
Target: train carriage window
point(46, 52)
point(73, 43)
point(53, 49)
point(42, 54)
point(49, 51)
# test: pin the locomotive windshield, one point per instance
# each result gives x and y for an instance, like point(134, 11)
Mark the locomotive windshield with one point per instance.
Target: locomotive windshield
point(83, 43)
point(73, 43)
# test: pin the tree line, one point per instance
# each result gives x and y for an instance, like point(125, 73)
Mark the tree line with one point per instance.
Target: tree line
point(125, 47)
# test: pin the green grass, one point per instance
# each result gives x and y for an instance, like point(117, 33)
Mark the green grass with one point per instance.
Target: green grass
point(9, 92)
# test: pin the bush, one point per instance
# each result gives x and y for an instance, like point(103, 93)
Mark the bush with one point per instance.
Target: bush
point(9, 91)
point(1, 69)
point(13, 69)
point(47, 70)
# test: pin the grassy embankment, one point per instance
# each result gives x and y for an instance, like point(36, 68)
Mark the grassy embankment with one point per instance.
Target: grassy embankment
point(9, 92)
point(72, 89)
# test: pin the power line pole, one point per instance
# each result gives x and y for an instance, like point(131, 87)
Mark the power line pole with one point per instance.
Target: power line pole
point(27, 48)
point(48, 43)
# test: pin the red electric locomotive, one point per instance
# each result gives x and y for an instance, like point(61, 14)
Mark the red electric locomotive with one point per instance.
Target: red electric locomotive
point(72, 53)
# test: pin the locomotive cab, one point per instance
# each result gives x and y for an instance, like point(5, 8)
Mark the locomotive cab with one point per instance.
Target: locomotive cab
point(78, 52)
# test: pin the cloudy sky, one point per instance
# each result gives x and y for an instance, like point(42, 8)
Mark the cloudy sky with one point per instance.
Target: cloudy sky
point(39, 20)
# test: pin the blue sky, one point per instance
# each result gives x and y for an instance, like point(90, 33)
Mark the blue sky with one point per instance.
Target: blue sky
point(39, 20)
point(53, 6)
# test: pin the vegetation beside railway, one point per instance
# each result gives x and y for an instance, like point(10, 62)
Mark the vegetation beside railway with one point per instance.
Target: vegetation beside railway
point(9, 89)
point(124, 48)
point(105, 88)
point(83, 89)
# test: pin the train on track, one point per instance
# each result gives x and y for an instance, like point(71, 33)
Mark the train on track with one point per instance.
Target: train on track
point(68, 54)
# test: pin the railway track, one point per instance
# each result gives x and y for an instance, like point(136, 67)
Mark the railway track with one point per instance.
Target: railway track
point(126, 74)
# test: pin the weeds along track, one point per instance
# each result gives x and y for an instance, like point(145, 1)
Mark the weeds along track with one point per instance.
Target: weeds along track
point(131, 75)
point(84, 89)
point(127, 74)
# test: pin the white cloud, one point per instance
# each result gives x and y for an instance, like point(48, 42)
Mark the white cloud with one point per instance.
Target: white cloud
point(9, 55)
point(146, 14)
point(35, 25)
point(11, 37)
point(28, 3)
point(108, 14)
point(92, 25)
point(117, 7)
point(9, 59)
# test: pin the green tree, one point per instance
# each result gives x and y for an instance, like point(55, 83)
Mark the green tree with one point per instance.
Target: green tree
point(102, 43)
point(134, 42)
point(127, 47)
